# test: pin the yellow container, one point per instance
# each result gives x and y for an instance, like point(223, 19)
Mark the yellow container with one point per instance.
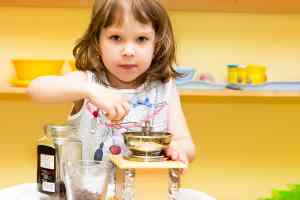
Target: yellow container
point(242, 75)
point(27, 70)
point(256, 74)
point(232, 74)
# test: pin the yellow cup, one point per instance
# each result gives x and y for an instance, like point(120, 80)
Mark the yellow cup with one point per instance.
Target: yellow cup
point(256, 74)
point(28, 70)
point(242, 75)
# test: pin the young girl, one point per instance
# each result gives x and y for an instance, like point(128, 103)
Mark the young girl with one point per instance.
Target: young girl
point(124, 78)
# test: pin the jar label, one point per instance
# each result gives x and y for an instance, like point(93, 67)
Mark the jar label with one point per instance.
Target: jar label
point(46, 174)
point(47, 161)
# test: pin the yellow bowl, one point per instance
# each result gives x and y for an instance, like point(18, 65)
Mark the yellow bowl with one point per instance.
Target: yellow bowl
point(30, 69)
point(20, 83)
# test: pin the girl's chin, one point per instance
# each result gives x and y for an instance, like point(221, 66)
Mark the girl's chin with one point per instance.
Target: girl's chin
point(125, 82)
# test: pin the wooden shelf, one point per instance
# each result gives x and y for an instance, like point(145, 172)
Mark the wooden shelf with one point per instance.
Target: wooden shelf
point(6, 88)
point(237, 93)
point(252, 6)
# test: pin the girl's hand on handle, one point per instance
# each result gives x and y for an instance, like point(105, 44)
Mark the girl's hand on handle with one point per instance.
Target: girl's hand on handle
point(115, 106)
point(174, 153)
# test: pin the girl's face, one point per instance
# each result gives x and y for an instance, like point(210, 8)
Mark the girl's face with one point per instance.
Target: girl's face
point(127, 50)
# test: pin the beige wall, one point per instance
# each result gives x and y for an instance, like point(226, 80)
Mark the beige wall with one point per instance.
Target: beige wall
point(207, 41)
point(211, 40)
point(245, 145)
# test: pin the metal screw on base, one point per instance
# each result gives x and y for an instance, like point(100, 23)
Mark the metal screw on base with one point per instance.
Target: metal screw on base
point(129, 184)
point(174, 183)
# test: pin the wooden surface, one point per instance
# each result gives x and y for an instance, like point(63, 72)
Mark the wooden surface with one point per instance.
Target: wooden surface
point(272, 6)
point(236, 93)
point(120, 162)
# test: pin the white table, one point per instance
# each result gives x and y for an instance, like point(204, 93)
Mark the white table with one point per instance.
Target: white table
point(27, 191)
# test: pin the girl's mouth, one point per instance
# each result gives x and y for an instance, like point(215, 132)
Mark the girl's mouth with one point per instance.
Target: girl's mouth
point(128, 66)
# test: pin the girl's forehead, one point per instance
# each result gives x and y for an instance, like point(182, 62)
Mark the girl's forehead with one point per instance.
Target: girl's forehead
point(130, 22)
point(132, 26)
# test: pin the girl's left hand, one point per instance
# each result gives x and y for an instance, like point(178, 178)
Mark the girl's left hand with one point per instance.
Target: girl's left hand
point(174, 153)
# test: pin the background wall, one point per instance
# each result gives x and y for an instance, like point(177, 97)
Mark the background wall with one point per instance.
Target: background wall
point(245, 145)
point(207, 41)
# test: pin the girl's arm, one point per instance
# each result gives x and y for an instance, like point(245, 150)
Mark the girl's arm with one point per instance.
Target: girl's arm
point(59, 89)
point(182, 146)
point(75, 86)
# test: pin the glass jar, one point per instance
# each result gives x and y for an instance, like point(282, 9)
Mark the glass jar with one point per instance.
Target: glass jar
point(59, 144)
point(87, 179)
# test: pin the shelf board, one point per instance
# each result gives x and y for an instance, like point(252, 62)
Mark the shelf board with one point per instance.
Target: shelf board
point(238, 93)
point(6, 88)
point(252, 6)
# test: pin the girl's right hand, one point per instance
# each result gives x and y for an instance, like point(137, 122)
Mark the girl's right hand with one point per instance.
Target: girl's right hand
point(115, 106)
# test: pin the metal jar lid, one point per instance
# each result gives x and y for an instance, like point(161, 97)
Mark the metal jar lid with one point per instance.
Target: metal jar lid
point(59, 130)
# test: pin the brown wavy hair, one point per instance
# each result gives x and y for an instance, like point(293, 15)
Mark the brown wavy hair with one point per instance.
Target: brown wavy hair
point(109, 12)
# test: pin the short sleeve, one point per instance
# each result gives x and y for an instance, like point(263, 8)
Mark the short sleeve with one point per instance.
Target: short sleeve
point(174, 103)
point(76, 117)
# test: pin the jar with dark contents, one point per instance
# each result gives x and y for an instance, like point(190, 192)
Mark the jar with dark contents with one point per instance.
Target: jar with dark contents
point(58, 145)
point(87, 195)
point(87, 179)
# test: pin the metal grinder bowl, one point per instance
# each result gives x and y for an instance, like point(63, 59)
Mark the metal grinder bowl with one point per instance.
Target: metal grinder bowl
point(147, 146)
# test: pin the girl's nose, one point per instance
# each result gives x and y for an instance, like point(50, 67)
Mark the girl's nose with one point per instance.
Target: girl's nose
point(128, 50)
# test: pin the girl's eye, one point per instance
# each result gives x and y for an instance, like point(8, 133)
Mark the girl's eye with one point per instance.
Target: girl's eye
point(115, 37)
point(142, 39)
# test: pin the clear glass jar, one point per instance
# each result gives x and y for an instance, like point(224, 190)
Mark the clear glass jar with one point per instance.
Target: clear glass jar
point(59, 144)
point(87, 179)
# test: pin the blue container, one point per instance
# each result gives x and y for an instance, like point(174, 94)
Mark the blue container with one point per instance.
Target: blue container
point(188, 74)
